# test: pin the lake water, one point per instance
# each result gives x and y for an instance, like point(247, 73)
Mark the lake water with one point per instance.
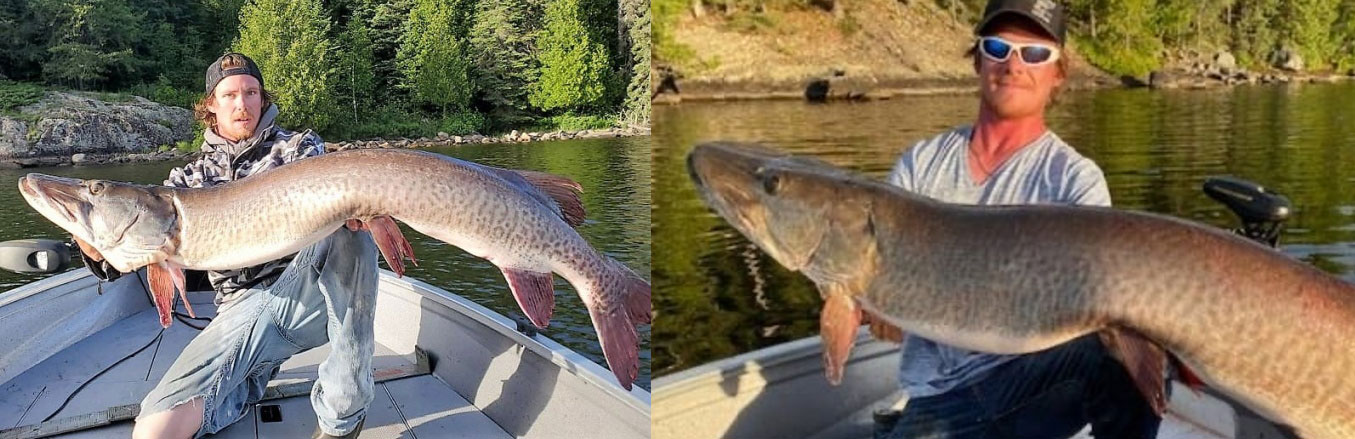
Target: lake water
point(615, 174)
point(716, 295)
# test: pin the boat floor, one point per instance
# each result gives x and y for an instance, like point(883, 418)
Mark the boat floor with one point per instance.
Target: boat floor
point(861, 423)
point(412, 407)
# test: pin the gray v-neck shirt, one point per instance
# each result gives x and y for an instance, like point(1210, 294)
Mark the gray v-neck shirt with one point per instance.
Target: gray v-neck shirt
point(1046, 171)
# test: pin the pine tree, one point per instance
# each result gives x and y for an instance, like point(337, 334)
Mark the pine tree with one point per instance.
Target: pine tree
point(287, 38)
point(431, 59)
point(503, 66)
point(636, 108)
point(574, 68)
point(1254, 36)
point(93, 40)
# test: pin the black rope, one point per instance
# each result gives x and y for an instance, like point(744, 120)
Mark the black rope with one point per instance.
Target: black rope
point(91, 379)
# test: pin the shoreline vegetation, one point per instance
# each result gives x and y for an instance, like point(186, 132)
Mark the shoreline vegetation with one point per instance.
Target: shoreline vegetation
point(824, 50)
point(166, 153)
point(351, 70)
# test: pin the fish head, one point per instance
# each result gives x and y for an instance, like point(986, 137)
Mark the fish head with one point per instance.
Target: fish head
point(781, 203)
point(130, 225)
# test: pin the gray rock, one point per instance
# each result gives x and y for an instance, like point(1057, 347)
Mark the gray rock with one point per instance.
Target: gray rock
point(1289, 60)
point(1161, 79)
point(13, 137)
point(442, 135)
point(1225, 61)
point(457, 139)
point(513, 134)
point(79, 158)
point(70, 123)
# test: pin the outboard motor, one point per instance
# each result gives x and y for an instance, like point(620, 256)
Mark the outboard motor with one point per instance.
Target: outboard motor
point(1262, 212)
point(35, 256)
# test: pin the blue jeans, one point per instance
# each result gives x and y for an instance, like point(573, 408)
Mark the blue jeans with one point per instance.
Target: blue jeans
point(326, 294)
point(1044, 395)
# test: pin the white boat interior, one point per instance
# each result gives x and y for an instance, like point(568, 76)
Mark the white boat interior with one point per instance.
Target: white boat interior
point(70, 354)
point(780, 391)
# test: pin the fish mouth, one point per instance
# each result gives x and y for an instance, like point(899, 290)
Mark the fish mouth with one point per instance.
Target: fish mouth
point(58, 194)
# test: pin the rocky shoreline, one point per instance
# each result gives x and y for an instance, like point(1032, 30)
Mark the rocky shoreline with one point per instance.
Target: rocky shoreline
point(443, 139)
point(1191, 70)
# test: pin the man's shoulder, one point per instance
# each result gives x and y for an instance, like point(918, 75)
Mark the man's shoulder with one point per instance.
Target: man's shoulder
point(296, 143)
point(937, 146)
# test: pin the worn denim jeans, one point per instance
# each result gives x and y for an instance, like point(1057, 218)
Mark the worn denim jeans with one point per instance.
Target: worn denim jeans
point(1050, 394)
point(327, 294)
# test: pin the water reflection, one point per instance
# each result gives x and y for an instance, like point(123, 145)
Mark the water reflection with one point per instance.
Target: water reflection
point(1156, 148)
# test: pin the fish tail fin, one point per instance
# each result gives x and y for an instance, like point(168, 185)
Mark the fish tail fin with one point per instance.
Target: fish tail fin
point(619, 303)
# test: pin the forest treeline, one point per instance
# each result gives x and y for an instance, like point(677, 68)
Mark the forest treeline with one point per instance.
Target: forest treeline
point(354, 68)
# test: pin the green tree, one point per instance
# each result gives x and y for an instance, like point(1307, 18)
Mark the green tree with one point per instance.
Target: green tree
point(574, 68)
point(1306, 26)
point(1343, 32)
point(636, 108)
point(1254, 35)
point(1125, 42)
point(431, 59)
point(356, 81)
point(503, 66)
point(287, 38)
point(385, 21)
point(93, 40)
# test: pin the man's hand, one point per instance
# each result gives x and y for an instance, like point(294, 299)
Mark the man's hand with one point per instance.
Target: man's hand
point(89, 250)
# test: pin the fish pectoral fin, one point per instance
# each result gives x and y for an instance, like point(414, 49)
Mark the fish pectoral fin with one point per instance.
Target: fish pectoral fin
point(535, 293)
point(1188, 376)
point(563, 191)
point(880, 329)
point(1145, 361)
point(838, 324)
point(162, 279)
point(392, 243)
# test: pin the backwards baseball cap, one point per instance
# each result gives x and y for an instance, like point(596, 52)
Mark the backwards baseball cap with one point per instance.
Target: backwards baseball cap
point(1045, 13)
point(215, 72)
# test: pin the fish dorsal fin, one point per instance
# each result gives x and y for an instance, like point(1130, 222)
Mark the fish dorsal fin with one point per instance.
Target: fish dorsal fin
point(563, 191)
point(1145, 361)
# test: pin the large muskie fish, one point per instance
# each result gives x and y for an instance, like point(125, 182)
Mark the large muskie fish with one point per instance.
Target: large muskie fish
point(1274, 333)
point(521, 221)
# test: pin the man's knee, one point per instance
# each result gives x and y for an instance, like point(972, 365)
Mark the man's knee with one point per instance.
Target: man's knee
point(182, 421)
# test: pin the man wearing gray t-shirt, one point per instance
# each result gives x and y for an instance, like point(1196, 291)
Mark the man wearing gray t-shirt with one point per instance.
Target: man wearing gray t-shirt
point(1008, 156)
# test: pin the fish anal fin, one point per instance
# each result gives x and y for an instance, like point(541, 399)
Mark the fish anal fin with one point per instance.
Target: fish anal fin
point(535, 293)
point(838, 324)
point(1145, 361)
point(392, 243)
point(162, 290)
point(880, 329)
point(563, 191)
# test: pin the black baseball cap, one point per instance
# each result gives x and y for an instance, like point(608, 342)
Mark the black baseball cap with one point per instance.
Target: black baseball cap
point(215, 73)
point(1048, 14)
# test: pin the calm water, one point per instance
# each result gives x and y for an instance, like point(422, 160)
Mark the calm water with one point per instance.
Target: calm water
point(716, 295)
point(615, 174)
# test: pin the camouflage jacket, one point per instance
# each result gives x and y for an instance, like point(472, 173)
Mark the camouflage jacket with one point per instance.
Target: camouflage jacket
point(221, 161)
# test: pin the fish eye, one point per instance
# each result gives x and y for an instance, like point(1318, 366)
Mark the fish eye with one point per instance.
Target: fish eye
point(771, 181)
point(96, 187)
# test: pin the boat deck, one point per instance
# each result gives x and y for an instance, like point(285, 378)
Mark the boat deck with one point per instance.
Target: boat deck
point(411, 407)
